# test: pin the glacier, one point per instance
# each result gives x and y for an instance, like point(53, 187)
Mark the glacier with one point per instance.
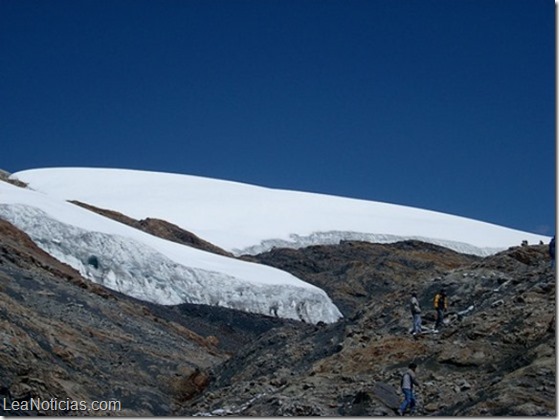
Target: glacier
point(249, 219)
point(156, 270)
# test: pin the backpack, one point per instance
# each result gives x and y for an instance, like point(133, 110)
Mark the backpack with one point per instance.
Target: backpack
point(439, 301)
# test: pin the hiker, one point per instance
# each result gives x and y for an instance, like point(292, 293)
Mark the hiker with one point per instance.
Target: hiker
point(407, 383)
point(416, 314)
point(441, 305)
point(552, 251)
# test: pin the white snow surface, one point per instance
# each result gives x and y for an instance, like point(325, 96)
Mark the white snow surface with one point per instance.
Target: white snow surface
point(248, 219)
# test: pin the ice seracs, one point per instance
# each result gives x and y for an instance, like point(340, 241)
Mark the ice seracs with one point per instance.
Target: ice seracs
point(156, 270)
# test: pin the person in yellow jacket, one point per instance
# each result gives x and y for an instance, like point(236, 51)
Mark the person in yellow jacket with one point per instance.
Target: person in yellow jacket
point(441, 305)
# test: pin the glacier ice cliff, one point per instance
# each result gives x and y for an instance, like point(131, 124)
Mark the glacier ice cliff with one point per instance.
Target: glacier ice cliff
point(334, 237)
point(138, 270)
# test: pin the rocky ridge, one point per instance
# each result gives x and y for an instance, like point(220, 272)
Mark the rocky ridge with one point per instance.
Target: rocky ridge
point(158, 227)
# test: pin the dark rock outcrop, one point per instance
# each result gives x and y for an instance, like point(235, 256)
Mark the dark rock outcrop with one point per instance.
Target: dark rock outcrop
point(159, 228)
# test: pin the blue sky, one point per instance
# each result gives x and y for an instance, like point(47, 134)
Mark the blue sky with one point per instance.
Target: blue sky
point(437, 104)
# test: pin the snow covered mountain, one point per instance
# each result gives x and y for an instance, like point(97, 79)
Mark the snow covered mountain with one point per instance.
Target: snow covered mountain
point(247, 219)
point(237, 217)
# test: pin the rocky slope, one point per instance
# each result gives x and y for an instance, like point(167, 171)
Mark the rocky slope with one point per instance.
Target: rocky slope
point(63, 337)
point(496, 356)
point(66, 338)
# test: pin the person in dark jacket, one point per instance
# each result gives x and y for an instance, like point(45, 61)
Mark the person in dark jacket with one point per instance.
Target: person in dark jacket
point(441, 305)
point(407, 383)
